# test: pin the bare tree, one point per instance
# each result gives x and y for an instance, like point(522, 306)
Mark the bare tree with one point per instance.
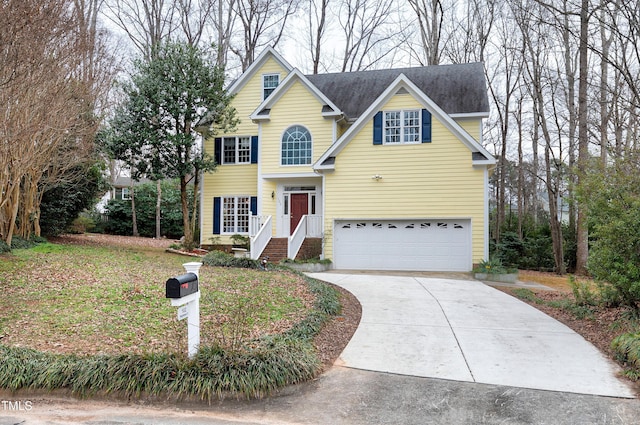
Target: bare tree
point(47, 123)
point(504, 87)
point(263, 24)
point(470, 27)
point(542, 85)
point(224, 25)
point(194, 16)
point(429, 18)
point(369, 31)
point(145, 22)
point(317, 25)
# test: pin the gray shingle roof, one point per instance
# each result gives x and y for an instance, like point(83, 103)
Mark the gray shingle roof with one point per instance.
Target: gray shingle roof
point(457, 89)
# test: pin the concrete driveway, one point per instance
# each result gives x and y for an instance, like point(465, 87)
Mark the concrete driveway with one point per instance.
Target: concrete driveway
point(464, 330)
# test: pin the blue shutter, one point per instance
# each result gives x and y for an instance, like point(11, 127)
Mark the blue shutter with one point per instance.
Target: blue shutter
point(254, 205)
point(426, 126)
point(217, 149)
point(216, 215)
point(377, 128)
point(254, 149)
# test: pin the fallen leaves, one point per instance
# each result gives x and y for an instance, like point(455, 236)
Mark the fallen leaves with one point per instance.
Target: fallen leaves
point(98, 295)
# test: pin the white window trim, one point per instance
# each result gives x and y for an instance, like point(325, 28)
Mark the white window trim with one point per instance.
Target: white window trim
point(235, 214)
point(126, 194)
point(237, 150)
point(269, 88)
point(310, 141)
point(402, 127)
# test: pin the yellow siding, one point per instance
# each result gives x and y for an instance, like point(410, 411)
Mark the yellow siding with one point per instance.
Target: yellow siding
point(236, 179)
point(297, 106)
point(250, 96)
point(471, 126)
point(226, 180)
point(427, 180)
point(269, 204)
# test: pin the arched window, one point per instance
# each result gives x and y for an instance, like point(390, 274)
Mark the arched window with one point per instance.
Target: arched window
point(296, 146)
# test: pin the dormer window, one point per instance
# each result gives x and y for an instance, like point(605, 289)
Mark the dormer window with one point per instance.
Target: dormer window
point(402, 126)
point(269, 84)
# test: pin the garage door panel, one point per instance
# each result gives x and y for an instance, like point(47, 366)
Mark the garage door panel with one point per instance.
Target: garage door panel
point(428, 244)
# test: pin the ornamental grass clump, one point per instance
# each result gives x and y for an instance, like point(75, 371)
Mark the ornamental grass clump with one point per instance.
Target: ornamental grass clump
point(493, 266)
point(627, 352)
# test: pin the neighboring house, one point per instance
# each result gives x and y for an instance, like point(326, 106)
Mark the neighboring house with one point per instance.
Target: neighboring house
point(121, 189)
point(387, 167)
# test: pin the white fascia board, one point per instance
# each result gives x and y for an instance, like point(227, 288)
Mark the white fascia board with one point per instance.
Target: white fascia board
point(255, 65)
point(403, 81)
point(294, 75)
point(275, 176)
point(470, 115)
point(490, 161)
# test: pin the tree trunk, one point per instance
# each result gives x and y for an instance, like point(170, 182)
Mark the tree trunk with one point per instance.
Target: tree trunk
point(556, 227)
point(186, 224)
point(521, 209)
point(133, 211)
point(582, 232)
point(14, 214)
point(158, 205)
point(194, 207)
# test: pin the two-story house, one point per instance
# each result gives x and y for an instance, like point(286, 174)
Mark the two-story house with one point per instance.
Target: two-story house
point(387, 167)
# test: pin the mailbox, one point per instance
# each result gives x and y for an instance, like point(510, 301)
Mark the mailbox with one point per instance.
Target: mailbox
point(183, 285)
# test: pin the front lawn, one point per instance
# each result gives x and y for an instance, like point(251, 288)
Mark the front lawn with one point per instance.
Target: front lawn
point(69, 305)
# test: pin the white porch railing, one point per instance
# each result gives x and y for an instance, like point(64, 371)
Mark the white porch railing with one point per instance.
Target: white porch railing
point(314, 226)
point(262, 237)
point(309, 226)
point(256, 222)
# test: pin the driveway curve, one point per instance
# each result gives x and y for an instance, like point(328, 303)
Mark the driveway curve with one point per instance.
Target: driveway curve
point(464, 330)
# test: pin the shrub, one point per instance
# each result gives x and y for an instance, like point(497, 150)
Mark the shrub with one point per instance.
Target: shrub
point(82, 224)
point(627, 351)
point(20, 243)
point(240, 241)
point(222, 259)
point(582, 292)
point(4, 247)
point(63, 202)
point(120, 216)
point(613, 200)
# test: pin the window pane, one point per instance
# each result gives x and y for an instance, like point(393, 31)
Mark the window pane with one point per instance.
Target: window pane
point(269, 84)
point(228, 214)
point(296, 146)
point(243, 210)
point(411, 126)
point(229, 154)
point(392, 126)
point(244, 150)
point(271, 81)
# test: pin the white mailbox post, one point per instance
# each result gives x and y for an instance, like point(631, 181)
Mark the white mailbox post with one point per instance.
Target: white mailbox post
point(191, 303)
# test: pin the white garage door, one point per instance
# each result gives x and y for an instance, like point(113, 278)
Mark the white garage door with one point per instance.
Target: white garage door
point(430, 245)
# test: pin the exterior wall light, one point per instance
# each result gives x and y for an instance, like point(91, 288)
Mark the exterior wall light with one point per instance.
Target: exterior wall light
point(376, 177)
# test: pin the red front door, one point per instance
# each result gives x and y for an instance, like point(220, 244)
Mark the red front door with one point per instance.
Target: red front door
point(299, 207)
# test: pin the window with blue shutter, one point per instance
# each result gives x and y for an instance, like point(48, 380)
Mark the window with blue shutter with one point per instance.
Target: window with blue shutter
point(402, 127)
point(426, 126)
point(236, 150)
point(216, 215)
point(377, 128)
point(217, 149)
point(254, 149)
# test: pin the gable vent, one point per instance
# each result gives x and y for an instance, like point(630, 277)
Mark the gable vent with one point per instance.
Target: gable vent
point(402, 90)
